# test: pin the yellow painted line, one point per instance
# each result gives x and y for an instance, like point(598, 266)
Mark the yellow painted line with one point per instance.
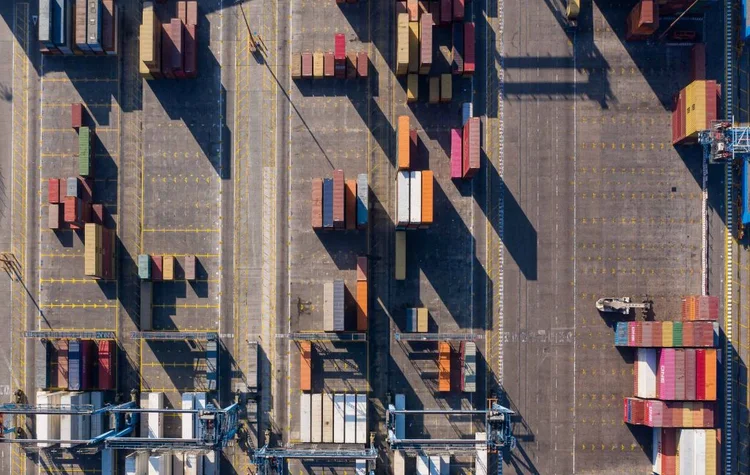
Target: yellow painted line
point(96, 130)
point(78, 305)
point(182, 230)
point(186, 305)
point(76, 281)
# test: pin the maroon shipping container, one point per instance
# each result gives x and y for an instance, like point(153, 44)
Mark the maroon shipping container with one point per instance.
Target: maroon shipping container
point(316, 201)
point(76, 115)
point(363, 64)
point(53, 190)
point(97, 214)
point(678, 119)
point(62, 364)
point(339, 46)
point(328, 64)
point(469, 49)
point(471, 146)
point(106, 359)
point(192, 13)
point(338, 198)
point(307, 65)
point(182, 11)
point(698, 62)
point(108, 25)
point(446, 11)
point(401, 7)
point(351, 65)
point(175, 31)
point(167, 51)
point(458, 10)
point(425, 43)
point(85, 189)
point(88, 356)
point(108, 264)
point(190, 266)
point(53, 217)
point(435, 7)
point(156, 268)
point(191, 51)
point(361, 268)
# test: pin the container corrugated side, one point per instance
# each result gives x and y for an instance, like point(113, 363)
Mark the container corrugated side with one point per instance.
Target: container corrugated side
point(328, 418)
point(93, 26)
point(402, 139)
point(338, 198)
point(428, 208)
point(338, 305)
point(403, 183)
point(304, 417)
point(402, 43)
point(44, 33)
point(400, 265)
point(444, 367)
point(339, 404)
point(328, 203)
point(350, 420)
point(435, 465)
point(471, 146)
point(362, 300)
point(305, 348)
point(350, 204)
point(425, 43)
point(469, 367)
point(469, 48)
point(398, 463)
point(317, 64)
point(252, 365)
point(316, 424)
point(413, 47)
point(187, 419)
point(190, 267)
point(363, 200)
point(361, 419)
point(146, 311)
point(480, 456)
point(415, 199)
point(328, 306)
point(400, 404)
point(307, 65)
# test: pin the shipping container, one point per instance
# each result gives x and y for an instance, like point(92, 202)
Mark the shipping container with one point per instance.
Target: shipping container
point(362, 301)
point(93, 26)
point(400, 405)
point(53, 190)
point(96, 423)
point(469, 48)
point(84, 151)
point(700, 307)
point(412, 8)
point(363, 200)
point(412, 88)
point(190, 265)
point(296, 66)
point(328, 66)
point(411, 319)
point(456, 153)
point(468, 366)
point(155, 419)
point(339, 426)
point(471, 146)
point(328, 203)
point(338, 199)
point(307, 65)
point(467, 112)
point(457, 52)
point(402, 43)
point(350, 204)
point(413, 67)
point(328, 307)
point(434, 83)
point(305, 379)
point(339, 43)
point(360, 467)
point(363, 64)
point(655, 413)
point(63, 366)
point(68, 426)
point(74, 365)
point(425, 43)
point(76, 115)
point(192, 12)
point(446, 11)
point(427, 198)
point(45, 363)
point(44, 33)
point(645, 373)
point(177, 52)
point(106, 361)
point(318, 64)
point(702, 334)
point(351, 65)
point(182, 11)
point(400, 265)
point(458, 10)
point(435, 465)
point(316, 201)
point(316, 423)
point(252, 366)
point(361, 419)
point(187, 425)
point(168, 267)
point(444, 366)
point(193, 464)
point(108, 26)
point(446, 88)
point(423, 316)
point(71, 187)
point(338, 305)
point(350, 419)
point(157, 268)
point(160, 464)
point(328, 427)
point(415, 199)
point(423, 465)
point(53, 217)
point(403, 200)
point(199, 404)
point(212, 365)
point(47, 425)
point(136, 463)
point(698, 62)
point(402, 139)
point(480, 456)
point(146, 311)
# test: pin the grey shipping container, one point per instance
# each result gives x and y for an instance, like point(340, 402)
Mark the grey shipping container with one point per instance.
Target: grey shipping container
point(65, 46)
point(42, 353)
point(252, 365)
point(71, 188)
point(212, 364)
point(80, 22)
point(190, 267)
point(45, 26)
point(363, 200)
point(469, 367)
point(146, 317)
point(54, 216)
point(93, 25)
point(328, 203)
point(144, 266)
point(74, 365)
point(338, 305)
point(108, 465)
point(328, 306)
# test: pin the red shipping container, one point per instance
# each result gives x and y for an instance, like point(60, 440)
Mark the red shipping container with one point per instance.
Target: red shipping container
point(307, 65)
point(192, 13)
point(363, 64)
point(446, 11)
point(167, 51)
point(62, 364)
point(656, 334)
point(328, 64)
point(157, 268)
point(458, 10)
point(53, 190)
point(700, 374)
point(106, 352)
point(339, 42)
point(191, 51)
point(709, 417)
point(469, 48)
point(72, 211)
point(87, 364)
point(669, 452)
point(338, 199)
point(471, 147)
point(456, 151)
point(76, 115)
point(708, 307)
point(678, 119)
point(698, 62)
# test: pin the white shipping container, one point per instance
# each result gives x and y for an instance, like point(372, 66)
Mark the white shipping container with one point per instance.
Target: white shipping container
point(435, 465)
point(400, 418)
point(136, 464)
point(686, 451)
point(317, 418)
point(350, 420)
point(646, 372)
point(327, 417)
point(42, 420)
point(656, 451)
point(188, 400)
point(402, 198)
point(445, 465)
point(210, 464)
point(66, 421)
point(83, 426)
point(398, 463)
point(160, 464)
point(155, 419)
point(360, 467)
point(338, 418)
point(143, 418)
point(361, 437)
point(700, 452)
point(304, 417)
point(415, 201)
point(97, 421)
point(423, 465)
point(193, 464)
point(199, 403)
point(480, 457)
point(328, 306)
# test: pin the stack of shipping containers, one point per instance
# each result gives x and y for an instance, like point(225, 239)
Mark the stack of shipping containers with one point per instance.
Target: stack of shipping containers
point(696, 107)
point(339, 203)
point(90, 27)
point(170, 49)
point(686, 451)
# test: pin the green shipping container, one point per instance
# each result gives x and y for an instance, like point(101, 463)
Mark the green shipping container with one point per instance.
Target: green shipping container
point(84, 151)
point(677, 334)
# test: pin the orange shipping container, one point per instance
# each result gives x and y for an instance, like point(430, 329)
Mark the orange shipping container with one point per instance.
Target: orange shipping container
point(402, 138)
point(444, 367)
point(305, 366)
point(361, 305)
point(427, 198)
point(351, 204)
point(710, 374)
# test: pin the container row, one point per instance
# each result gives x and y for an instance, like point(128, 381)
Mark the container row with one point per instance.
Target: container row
point(75, 365)
point(69, 427)
point(169, 50)
point(78, 27)
point(686, 451)
point(414, 199)
point(667, 334)
point(675, 374)
point(337, 203)
point(158, 268)
point(653, 413)
point(333, 418)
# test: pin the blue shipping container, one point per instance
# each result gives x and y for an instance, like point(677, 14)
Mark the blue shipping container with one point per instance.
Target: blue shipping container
point(467, 112)
point(328, 203)
point(74, 365)
point(745, 19)
point(458, 48)
point(745, 193)
point(621, 334)
point(58, 22)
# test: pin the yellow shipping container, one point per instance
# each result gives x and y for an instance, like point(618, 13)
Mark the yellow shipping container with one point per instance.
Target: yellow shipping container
point(446, 87)
point(92, 250)
point(422, 319)
point(700, 106)
point(412, 85)
point(666, 334)
point(402, 43)
point(413, 46)
point(711, 452)
point(318, 65)
point(168, 262)
point(400, 255)
point(434, 89)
